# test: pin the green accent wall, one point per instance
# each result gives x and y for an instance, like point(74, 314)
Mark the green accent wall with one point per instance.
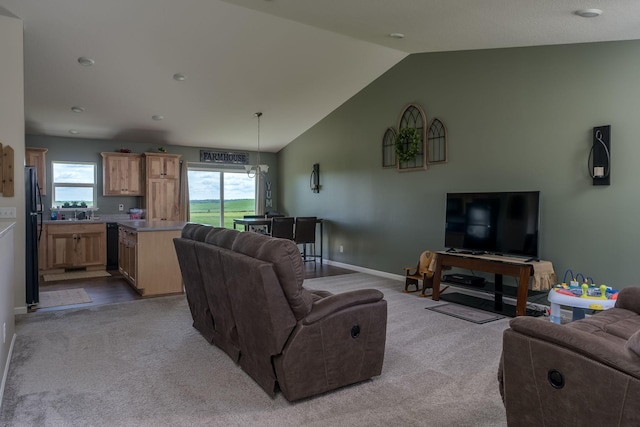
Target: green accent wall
point(517, 119)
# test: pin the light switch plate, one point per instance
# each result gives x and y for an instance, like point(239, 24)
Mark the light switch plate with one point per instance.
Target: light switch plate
point(7, 212)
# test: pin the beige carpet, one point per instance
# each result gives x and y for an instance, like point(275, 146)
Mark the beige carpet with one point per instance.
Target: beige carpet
point(63, 297)
point(74, 275)
point(142, 364)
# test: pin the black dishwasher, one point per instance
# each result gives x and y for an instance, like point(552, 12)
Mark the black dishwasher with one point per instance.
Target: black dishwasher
point(112, 246)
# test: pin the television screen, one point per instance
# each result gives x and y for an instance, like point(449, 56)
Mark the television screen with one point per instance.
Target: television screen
point(496, 223)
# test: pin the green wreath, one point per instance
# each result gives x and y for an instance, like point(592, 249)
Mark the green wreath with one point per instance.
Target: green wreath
point(407, 144)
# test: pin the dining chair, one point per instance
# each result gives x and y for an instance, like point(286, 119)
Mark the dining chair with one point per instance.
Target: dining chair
point(273, 214)
point(305, 234)
point(282, 227)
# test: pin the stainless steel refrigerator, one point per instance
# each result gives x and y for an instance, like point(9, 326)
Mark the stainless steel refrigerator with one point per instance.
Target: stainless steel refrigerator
point(34, 216)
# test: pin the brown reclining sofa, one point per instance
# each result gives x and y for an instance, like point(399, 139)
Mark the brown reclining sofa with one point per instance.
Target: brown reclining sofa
point(246, 295)
point(583, 373)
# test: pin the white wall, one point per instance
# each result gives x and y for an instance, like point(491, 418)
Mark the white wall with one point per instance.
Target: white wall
point(12, 133)
point(6, 299)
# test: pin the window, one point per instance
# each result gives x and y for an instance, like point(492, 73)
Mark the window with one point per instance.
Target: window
point(73, 183)
point(218, 197)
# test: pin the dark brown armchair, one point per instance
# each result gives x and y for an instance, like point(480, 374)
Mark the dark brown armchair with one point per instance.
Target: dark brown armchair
point(582, 373)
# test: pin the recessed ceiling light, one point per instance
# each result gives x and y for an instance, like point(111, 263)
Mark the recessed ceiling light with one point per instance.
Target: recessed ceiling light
point(73, 132)
point(86, 62)
point(589, 13)
point(157, 117)
point(77, 109)
point(179, 77)
point(396, 35)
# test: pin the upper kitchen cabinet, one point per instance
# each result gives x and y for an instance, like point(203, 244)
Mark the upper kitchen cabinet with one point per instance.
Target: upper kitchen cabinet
point(122, 174)
point(36, 157)
point(162, 166)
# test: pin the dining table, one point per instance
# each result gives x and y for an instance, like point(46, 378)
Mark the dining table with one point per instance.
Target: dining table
point(249, 222)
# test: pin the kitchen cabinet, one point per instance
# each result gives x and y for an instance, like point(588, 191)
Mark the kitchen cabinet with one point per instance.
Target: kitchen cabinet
point(77, 245)
point(147, 259)
point(37, 157)
point(162, 200)
point(162, 186)
point(122, 174)
point(162, 166)
point(127, 254)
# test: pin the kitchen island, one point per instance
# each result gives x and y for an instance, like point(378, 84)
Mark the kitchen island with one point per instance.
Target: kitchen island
point(147, 257)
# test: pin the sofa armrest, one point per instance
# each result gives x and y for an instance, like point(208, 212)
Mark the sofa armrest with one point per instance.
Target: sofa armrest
point(318, 294)
point(629, 299)
point(338, 302)
point(585, 343)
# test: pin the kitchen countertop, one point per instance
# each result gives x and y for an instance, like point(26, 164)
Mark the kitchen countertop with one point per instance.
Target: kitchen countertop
point(142, 225)
point(74, 221)
point(138, 225)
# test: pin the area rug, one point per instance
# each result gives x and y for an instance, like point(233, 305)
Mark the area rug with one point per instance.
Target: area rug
point(466, 313)
point(74, 275)
point(63, 297)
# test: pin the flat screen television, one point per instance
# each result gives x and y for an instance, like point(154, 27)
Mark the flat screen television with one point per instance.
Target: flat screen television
point(495, 223)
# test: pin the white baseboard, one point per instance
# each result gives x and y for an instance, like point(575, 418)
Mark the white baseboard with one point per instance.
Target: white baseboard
point(6, 369)
point(364, 270)
point(20, 310)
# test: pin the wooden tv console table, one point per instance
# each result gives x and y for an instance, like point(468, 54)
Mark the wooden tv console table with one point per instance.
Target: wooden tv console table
point(499, 266)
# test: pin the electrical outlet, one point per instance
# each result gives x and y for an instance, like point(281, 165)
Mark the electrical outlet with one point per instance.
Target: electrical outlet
point(7, 212)
point(341, 248)
point(121, 207)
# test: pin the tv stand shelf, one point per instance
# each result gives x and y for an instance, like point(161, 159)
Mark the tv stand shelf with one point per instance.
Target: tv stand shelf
point(508, 266)
point(486, 304)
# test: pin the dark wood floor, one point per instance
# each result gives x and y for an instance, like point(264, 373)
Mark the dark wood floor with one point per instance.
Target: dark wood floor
point(107, 290)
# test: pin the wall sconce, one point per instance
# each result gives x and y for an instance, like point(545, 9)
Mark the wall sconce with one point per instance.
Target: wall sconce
point(599, 162)
point(314, 180)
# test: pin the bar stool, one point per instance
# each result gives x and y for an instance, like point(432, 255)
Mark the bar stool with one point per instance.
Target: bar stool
point(282, 227)
point(305, 234)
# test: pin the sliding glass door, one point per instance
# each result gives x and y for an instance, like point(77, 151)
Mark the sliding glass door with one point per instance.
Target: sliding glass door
point(217, 197)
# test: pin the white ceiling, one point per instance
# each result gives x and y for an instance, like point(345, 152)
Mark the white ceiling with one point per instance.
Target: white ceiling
point(293, 60)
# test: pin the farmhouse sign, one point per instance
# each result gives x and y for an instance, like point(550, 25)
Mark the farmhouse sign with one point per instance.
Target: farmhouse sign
point(224, 157)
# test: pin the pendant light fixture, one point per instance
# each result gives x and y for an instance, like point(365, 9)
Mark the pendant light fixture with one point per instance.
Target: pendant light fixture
point(257, 169)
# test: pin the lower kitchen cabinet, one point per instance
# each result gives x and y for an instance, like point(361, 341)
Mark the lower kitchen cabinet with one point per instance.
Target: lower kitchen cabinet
point(127, 253)
point(74, 246)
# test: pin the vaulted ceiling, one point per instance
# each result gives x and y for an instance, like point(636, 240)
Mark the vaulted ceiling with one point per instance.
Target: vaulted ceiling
point(293, 60)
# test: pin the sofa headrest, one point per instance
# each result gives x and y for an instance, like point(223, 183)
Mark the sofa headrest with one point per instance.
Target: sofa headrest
point(629, 299)
point(222, 237)
point(189, 230)
point(285, 257)
point(201, 233)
